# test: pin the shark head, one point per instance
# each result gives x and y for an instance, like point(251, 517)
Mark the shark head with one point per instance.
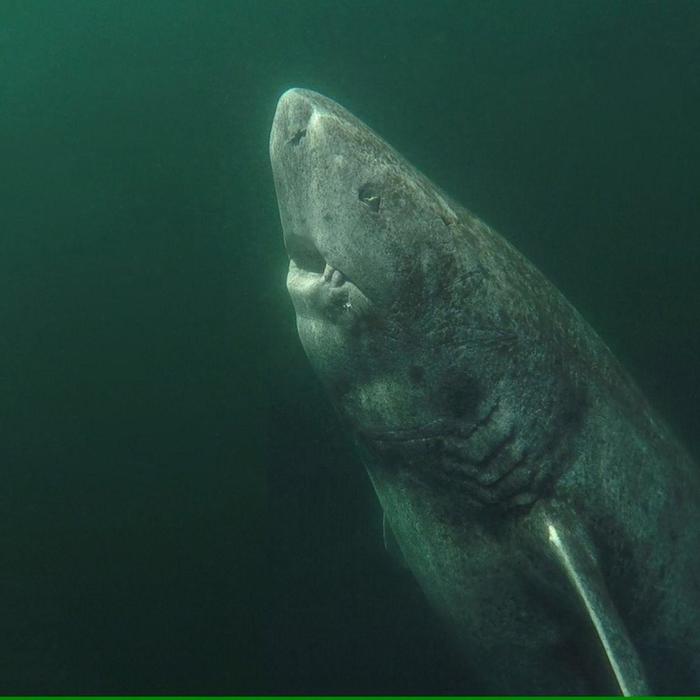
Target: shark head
point(365, 233)
point(410, 309)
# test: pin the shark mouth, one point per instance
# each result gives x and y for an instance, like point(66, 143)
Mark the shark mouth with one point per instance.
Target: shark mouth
point(307, 259)
point(318, 287)
point(335, 277)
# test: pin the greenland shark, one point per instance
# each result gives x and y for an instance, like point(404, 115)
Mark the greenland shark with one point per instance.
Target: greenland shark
point(549, 515)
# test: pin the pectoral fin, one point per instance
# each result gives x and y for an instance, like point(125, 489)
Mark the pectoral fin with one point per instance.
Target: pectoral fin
point(583, 573)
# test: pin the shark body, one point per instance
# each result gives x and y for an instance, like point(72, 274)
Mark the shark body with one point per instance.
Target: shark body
point(547, 512)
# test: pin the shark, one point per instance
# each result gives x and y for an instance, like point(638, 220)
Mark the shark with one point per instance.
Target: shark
point(547, 512)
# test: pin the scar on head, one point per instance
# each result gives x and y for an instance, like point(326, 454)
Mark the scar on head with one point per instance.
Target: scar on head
point(296, 139)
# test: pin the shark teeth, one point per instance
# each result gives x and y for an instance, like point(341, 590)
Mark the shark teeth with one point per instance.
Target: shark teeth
point(335, 277)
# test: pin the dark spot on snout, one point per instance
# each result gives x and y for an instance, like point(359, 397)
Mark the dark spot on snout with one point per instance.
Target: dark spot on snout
point(416, 374)
point(296, 139)
point(369, 195)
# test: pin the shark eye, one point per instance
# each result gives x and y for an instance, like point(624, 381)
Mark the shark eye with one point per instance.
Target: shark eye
point(368, 194)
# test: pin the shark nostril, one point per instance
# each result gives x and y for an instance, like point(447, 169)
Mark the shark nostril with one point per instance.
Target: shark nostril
point(368, 194)
point(298, 136)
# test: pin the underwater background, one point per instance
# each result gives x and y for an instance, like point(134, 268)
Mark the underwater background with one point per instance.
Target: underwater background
point(179, 509)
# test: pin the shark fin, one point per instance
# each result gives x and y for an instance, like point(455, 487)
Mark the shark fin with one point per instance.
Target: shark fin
point(584, 575)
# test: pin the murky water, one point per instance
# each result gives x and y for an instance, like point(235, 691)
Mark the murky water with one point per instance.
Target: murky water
point(180, 511)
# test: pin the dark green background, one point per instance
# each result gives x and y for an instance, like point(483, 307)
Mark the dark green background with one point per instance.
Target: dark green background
point(179, 511)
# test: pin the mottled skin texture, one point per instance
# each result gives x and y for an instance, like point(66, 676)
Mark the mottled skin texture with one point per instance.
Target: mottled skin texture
point(480, 400)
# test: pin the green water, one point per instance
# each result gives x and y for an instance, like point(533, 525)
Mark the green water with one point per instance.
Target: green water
point(179, 511)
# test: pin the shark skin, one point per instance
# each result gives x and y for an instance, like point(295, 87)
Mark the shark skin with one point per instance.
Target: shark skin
point(548, 514)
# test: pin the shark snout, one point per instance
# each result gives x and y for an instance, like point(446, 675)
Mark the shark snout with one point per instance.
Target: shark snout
point(290, 124)
point(296, 113)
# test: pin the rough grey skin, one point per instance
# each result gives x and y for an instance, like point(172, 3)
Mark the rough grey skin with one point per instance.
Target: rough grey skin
point(485, 409)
